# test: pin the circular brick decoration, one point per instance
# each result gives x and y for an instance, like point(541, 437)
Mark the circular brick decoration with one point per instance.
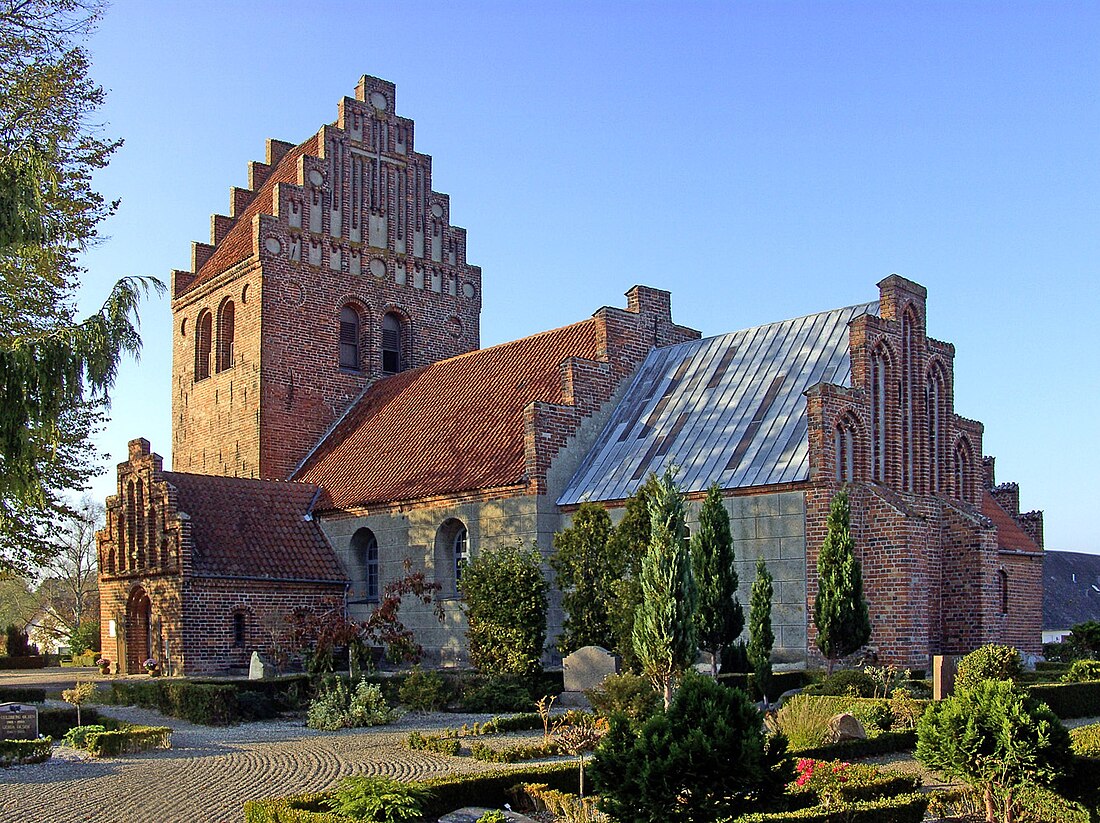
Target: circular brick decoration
point(295, 294)
point(273, 245)
point(378, 267)
point(378, 100)
point(437, 210)
point(454, 327)
point(468, 290)
point(315, 177)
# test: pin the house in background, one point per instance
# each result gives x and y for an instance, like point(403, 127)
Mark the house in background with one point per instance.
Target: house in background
point(1071, 592)
point(334, 417)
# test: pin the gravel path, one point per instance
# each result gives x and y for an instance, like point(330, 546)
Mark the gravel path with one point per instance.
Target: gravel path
point(209, 773)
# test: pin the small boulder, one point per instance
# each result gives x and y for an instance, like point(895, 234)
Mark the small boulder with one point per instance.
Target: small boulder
point(845, 726)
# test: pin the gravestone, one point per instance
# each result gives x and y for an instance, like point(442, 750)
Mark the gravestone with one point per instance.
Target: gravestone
point(18, 721)
point(943, 675)
point(258, 668)
point(586, 668)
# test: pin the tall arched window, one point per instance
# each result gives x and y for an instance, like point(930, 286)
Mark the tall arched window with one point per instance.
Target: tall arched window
point(392, 356)
point(139, 524)
point(240, 627)
point(961, 473)
point(349, 338)
point(935, 399)
point(204, 328)
point(460, 546)
point(910, 325)
point(452, 552)
point(844, 449)
point(879, 378)
point(364, 546)
point(131, 527)
point(1002, 582)
point(226, 314)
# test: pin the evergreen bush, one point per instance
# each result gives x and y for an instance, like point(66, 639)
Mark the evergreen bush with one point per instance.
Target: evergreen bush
point(497, 694)
point(1082, 671)
point(377, 799)
point(851, 682)
point(424, 691)
point(19, 752)
point(628, 694)
point(991, 662)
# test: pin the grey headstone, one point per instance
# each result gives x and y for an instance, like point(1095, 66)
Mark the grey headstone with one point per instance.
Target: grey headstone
point(18, 721)
point(258, 668)
point(588, 667)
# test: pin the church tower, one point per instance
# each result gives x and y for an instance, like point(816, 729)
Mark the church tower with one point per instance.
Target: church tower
point(337, 267)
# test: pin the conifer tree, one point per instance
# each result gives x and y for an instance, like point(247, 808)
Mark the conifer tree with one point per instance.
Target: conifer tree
point(840, 612)
point(719, 617)
point(626, 548)
point(664, 628)
point(761, 637)
point(586, 575)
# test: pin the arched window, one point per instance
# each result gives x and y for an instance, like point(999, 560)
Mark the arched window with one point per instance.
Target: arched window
point(364, 546)
point(392, 356)
point(151, 535)
point(961, 473)
point(910, 326)
point(203, 336)
point(1002, 581)
point(349, 338)
point(240, 627)
point(111, 560)
point(131, 526)
point(935, 399)
point(879, 378)
point(844, 449)
point(452, 552)
point(139, 524)
point(225, 336)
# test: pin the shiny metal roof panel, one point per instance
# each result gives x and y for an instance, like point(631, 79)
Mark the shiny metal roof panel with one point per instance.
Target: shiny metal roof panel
point(728, 409)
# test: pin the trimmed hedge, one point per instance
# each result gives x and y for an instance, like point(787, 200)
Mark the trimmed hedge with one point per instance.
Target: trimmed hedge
point(34, 661)
point(780, 682)
point(203, 703)
point(440, 745)
point(18, 752)
point(906, 808)
point(885, 743)
point(57, 722)
point(19, 694)
point(448, 792)
point(289, 691)
point(128, 741)
point(1069, 699)
point(516, 752)
point(1086, 740)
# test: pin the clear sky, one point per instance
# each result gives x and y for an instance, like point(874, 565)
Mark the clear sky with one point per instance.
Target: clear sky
point(761, 160)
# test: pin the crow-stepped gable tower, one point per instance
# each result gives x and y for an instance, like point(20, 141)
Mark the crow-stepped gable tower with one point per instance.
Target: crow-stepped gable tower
point(338, 265)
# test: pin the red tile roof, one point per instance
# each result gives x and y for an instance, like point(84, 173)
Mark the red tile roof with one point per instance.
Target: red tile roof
point(237, 244)
point(1009, 534)
point(254, 528)
point(455, 425)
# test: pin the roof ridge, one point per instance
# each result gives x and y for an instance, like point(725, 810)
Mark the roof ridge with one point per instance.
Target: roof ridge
point(788, 320)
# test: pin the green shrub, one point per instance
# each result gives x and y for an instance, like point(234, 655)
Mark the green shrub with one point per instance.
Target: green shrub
point(994, 737)
point(497, 694)
point(706, 757)
point(56, 722)
point(515, 753)
point(377, 799)
point(1082, 671)
point(804, 721)
point(1085, 740)
point(875, 715)
point(846, 682)
point(19, 752)
point(34, 661)
point(77, 736)
point(445, 744)
point(907, 808)
point(628, 694)
point(424, 691)
point(778, 683)
point(1069, 699)
point(990, 662)
point(336, 707)
point(19, 694)
point(252, 706)
point(130, 740)
point(203, 703)
point(885, 743)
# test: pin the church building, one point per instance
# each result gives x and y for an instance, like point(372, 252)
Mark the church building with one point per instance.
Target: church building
point(334, 417)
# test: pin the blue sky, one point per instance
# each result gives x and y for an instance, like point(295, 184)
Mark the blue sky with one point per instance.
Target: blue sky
point(760, 160)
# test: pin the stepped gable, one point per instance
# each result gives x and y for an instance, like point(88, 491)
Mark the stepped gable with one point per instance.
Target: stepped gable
point(457, 425)
point(356, 185)
point(255, 529)
point(728, 409)
point(1009, 534)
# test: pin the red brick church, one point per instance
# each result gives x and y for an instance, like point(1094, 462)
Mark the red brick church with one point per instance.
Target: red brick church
point(334, 416)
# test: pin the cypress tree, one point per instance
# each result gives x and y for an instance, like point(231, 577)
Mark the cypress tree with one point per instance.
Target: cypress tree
point(761, 637)
point(840, 612)
point(625, 550)
point(585, 576)
point(664, 629)
point(719, 617)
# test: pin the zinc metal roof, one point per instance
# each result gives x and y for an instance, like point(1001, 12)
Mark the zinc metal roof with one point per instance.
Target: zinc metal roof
point(728, 409)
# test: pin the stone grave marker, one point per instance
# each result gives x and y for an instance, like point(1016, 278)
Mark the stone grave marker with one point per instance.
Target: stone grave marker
point(943, 675)
point(258, 668)
point(18, 721)
point(586, 668)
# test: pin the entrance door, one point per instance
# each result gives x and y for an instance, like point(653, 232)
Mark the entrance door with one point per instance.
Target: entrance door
point(138, 637)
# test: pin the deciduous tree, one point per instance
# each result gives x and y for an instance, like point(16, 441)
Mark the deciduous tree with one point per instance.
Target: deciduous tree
point(840, 612)
point(719, 617)
point(68, 594)
point(664, 627)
